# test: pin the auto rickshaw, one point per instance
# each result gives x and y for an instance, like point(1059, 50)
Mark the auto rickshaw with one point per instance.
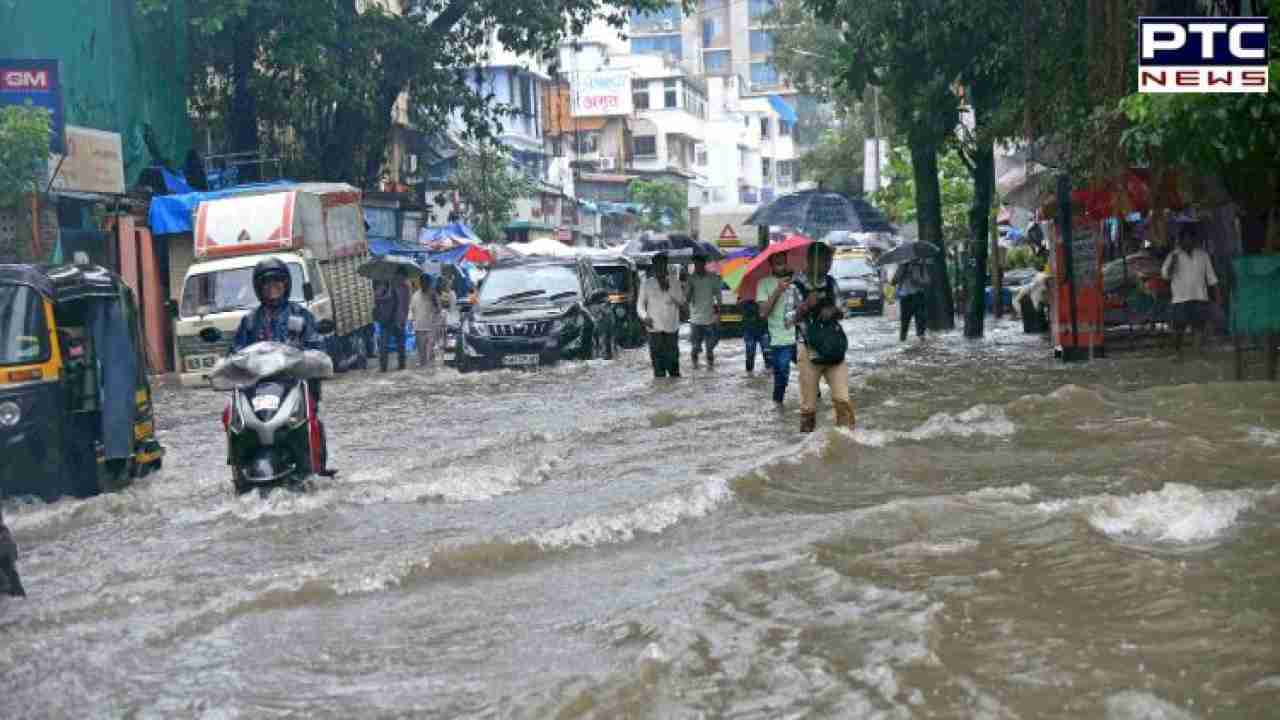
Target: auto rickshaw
point(75, 405)
point(620, 276)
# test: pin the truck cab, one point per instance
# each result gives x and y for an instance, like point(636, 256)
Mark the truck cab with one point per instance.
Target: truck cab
point(218, 293)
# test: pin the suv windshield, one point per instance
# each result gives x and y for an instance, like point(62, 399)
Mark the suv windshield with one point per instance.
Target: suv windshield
point(852, 267)
point(528, 282)
point(224, 290)
point(23, 336)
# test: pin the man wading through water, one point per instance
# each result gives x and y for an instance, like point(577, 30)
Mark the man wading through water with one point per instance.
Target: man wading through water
point(659, 309)
point(1189, 270)
point(704, 315)
point(820, 340)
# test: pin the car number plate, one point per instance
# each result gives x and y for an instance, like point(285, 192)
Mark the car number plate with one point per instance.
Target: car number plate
point(266, 402)
point(520, 360)
point(855, 302)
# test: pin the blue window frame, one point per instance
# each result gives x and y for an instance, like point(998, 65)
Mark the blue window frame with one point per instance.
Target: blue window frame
point(716, 62)
point(761, 42)
point(763, 74)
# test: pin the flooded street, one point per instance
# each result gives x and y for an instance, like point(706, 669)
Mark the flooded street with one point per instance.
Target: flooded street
point(1002, 537)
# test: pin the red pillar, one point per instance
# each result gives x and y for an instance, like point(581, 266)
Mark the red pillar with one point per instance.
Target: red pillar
point(155, 321)
point(128, 243)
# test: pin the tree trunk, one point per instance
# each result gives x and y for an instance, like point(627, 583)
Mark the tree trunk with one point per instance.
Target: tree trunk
point(244, 106)
point(984, 181)
point(924, 167)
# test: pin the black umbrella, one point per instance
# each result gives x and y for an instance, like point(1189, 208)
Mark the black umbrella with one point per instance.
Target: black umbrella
point(817, 211)
point(650, 243)
point(908, 251)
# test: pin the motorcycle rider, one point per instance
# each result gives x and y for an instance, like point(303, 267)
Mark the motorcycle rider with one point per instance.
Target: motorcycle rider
point(273, 284)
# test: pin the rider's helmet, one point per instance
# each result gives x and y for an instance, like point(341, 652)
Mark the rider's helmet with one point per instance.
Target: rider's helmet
point(271, 269)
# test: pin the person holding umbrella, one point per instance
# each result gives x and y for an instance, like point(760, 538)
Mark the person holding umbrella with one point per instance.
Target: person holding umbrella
point(821, 343)
point(391, 310)
point(427, 316)
point(773, 297)
point(658, 306)
point(911, 281)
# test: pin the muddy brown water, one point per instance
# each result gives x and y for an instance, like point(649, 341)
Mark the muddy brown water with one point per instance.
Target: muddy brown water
point(1002, 537)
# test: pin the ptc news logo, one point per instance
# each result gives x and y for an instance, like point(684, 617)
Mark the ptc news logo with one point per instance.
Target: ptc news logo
point(1199, 55)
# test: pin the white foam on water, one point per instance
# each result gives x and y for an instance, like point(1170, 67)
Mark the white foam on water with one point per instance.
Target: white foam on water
point(454, 483)
point(1023, 492)
point(651, 518)
point(1140, 705)
point(1177, 513)
point(1264, 437)
point(985, 420)
point(941, 548)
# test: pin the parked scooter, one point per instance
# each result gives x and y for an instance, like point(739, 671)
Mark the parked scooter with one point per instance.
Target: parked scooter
point(274, 436)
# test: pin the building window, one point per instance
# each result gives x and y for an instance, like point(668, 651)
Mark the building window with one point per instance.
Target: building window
point(717, 62)
point(645, 146)
point(666, 19)
point(694, 103)
point(763, 74)
point(658, 45)
point(526, 95)
point(670, 93)
point(786, 172)
point(784, 128)
point(760, 8)
point(713, 32)
point(765, 168)
point(589, 142)
point(761, 42)
point(700, 156)
point(764, 128)
point(640, 95)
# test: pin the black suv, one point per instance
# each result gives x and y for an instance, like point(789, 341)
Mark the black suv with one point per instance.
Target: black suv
point(534, 312)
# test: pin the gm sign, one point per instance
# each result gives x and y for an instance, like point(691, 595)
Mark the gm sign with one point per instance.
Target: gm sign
point(35, 83)
point(1202, 54)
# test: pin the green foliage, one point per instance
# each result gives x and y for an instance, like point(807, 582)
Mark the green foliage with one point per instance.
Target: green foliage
point(318, 82)
point(660, 198)
point(836, 161)
point(1022, 257)
point(898, 197)
point(24, 152)
point(488, 183)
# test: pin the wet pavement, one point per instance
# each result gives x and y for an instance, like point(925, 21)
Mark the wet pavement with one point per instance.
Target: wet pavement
point(1002, 536)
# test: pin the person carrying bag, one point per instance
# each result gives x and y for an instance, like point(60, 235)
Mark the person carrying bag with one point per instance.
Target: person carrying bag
point(822, 343)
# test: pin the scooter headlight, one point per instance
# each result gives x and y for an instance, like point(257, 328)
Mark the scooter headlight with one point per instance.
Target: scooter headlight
point(10, 414)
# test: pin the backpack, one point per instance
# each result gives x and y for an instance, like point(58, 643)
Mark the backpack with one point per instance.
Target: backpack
point(825, 339)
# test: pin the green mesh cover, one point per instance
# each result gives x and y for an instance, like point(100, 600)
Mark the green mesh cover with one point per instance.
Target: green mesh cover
point(120, 73)
point(1255, 303)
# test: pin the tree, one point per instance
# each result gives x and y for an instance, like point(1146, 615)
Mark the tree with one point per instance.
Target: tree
point(488, 183)
point(318, 81)
point(898, 199)
point(836, 161)
point(24, 152)
point(665, 204)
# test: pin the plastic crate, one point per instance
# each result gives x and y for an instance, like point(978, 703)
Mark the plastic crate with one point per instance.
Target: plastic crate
point(1255, 302)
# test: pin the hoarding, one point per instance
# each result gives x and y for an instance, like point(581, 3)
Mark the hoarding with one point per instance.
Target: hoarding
point(94, 162)
point(36, 83)
point(607, 92)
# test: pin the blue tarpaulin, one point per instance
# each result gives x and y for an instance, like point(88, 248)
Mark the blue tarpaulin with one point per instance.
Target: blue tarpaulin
point(459, 230)
point(172, 214)
point(783, 109)
point(175, 184)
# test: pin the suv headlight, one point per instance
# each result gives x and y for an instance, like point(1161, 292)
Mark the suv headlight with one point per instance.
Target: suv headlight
point(471, 327)
point(10, 414)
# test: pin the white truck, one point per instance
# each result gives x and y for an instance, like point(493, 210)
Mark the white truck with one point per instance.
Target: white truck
point(316, 229)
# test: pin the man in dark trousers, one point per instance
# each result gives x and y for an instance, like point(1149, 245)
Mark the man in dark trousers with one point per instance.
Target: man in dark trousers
point(10, 583)
point(659, 303)
point(391, 310)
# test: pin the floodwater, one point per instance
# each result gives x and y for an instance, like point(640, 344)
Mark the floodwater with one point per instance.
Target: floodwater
point(1001, 537)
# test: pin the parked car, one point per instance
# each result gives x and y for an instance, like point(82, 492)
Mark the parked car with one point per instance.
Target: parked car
point(861, 284)
point(535, 312)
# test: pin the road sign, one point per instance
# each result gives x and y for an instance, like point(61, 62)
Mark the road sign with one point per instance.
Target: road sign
point(728, 233)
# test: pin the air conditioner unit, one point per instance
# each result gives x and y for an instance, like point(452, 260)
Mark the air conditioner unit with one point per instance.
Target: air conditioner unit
point(608, 164)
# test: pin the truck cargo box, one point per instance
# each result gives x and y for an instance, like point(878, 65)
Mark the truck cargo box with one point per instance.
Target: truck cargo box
point(324, 218)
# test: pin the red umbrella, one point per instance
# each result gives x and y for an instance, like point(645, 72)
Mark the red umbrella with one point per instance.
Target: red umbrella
point(794, 247)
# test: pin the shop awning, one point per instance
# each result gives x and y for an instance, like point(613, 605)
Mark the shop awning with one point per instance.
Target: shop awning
point(783, 109)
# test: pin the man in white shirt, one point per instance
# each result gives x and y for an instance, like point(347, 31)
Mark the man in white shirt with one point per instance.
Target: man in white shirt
point(704, 313)
point(658, 306)
point(1189, 270)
